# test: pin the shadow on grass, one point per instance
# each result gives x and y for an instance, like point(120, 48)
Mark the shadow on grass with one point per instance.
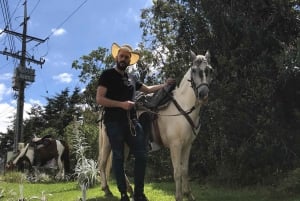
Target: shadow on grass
point(107, 198)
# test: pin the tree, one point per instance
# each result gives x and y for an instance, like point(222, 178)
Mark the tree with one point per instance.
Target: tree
point(243, 139)
point(90, 67)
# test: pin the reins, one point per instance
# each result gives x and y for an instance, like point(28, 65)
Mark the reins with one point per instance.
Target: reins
point(186, 115)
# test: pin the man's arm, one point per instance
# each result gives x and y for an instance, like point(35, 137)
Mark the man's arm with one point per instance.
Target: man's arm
point(101, 99)
point(150, 89)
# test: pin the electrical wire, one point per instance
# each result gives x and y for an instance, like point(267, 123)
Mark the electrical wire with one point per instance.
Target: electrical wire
point(13, 13)
point(62, 23)
point(34, 8)
point(7, 21)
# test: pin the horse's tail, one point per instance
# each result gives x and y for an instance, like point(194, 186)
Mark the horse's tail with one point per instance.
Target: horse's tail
point(103, 143)
point(108, 165)
point(66, 156)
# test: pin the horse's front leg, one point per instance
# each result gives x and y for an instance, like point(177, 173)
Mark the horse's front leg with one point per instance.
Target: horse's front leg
point(176, 162)
point(60, 173)
point(185, 177)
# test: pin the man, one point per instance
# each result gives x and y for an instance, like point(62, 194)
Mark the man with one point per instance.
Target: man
point(116, 93)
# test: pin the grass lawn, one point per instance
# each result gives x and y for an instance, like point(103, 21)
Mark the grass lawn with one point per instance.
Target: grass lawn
point(164, 191)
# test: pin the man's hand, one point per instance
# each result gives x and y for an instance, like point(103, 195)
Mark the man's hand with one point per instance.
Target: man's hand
point(127, 105)
point(170, 81)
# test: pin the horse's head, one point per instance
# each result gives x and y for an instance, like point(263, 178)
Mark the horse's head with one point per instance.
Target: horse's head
point(10, 166)
point(201, 75)
point(16, 163)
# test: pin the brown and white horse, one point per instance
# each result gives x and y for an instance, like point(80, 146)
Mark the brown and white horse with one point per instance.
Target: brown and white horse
point(177, 132)
point(43, 152)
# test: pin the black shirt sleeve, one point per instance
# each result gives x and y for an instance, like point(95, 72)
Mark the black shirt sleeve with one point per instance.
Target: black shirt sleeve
point(104, 79)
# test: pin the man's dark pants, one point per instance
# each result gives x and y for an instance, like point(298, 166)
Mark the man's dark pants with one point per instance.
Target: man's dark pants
point(118, 134)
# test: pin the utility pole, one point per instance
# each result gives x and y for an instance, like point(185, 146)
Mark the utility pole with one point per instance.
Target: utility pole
point(22, 75)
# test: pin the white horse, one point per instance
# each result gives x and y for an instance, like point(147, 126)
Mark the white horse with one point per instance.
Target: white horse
point(177, 132)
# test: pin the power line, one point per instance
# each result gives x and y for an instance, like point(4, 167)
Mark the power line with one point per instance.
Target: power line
point(60, 25)
point(34, 8)
point(7, 21)
point(13, 13)
point(6, 17)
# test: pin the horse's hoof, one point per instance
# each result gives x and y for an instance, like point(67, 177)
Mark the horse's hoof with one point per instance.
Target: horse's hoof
point(107, 192)
point(191, 197)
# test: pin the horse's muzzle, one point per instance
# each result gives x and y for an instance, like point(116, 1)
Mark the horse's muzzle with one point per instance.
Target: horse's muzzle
point(203, 91)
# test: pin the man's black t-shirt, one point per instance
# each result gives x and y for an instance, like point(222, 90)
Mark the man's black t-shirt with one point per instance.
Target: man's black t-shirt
point(120, 88)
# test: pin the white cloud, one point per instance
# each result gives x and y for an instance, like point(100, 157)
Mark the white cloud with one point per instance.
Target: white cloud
point(2, 34)
point(58, 32)
point(3, 90)
point(37, 102)
point(6, 76)
point(6, 116)
point(8, 112)
point(63, 77)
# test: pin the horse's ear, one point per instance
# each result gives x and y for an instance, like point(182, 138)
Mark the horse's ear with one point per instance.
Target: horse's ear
point(207, 56)
point(193, 55)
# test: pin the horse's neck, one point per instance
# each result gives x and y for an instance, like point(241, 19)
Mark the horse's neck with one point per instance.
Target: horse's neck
point(185, 96)
point(22, 153)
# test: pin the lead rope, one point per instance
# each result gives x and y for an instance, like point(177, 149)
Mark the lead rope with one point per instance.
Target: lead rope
point(131, 124)
point(186, 115)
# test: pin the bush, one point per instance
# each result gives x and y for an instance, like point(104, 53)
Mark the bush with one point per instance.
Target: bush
point(13, 177)
point(291, 183)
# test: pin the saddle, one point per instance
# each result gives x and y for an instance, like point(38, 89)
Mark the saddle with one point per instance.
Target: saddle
point(156, 101)
point(44, 141)
point(148, 119)
point(40, 148)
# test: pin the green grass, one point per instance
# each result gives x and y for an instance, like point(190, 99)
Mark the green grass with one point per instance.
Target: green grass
point(164, 191)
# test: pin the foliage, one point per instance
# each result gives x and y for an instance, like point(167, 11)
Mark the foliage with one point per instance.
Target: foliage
point(13, 177)
point(291, 182)
point(85, 169)
point(6, 142)
point(254, 45)
point(154, 191)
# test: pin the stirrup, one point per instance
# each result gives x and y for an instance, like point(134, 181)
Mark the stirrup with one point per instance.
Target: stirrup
point(154, 147)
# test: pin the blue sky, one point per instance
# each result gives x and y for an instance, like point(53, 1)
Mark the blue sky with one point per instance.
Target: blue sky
point(97, 23)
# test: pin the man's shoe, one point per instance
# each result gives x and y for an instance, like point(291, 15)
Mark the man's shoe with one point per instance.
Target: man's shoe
point(124, 197)
point(141, 197)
